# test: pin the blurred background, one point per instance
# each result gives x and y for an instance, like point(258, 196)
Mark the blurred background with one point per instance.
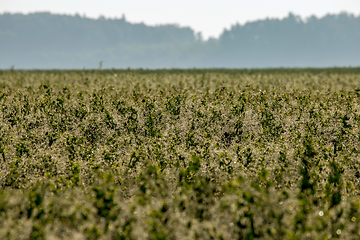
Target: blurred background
point(73, 34)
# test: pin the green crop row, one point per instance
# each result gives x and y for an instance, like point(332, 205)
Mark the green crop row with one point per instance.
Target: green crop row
point(180, 154)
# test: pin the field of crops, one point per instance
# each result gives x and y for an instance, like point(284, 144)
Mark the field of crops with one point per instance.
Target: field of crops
point(192, 154)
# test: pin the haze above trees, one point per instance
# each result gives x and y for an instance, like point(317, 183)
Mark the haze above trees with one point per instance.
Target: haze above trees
point(45, 40)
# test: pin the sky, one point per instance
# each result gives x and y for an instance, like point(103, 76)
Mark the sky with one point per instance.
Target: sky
point(206, 16)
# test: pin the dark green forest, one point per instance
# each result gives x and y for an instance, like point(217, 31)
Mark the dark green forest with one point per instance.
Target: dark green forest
point(45, 40)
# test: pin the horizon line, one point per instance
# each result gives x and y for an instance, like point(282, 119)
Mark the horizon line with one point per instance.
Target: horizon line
point(123, 17)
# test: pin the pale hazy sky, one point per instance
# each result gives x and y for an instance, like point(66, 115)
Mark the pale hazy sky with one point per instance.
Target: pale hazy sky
point(207, 16)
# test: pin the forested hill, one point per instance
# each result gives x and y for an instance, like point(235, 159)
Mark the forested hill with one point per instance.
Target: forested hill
point(45, 40)
point(49, 32)
point(331, 40)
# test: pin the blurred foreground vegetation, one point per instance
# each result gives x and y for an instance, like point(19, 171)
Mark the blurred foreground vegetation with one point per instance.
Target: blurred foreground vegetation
point(192, 154)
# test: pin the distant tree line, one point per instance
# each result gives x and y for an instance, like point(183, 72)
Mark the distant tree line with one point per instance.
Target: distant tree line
point(45, 40)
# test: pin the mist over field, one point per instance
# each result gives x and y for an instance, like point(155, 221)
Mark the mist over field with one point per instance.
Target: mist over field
point(46, 41)
point(254, 134)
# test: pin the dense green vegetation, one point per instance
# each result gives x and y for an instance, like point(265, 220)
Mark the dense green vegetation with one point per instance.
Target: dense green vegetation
point(45, 40)
point(195, 154)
